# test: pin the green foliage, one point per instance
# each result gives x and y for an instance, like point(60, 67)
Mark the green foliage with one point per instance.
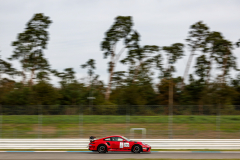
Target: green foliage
point(73, 94)
point(18, 96)
point(6, 68)
point(45, 93)
point(197, 36)
point(106, 108)
point(163, 89)
point(66, 77)
point(90, 64)
point(43, 76)
point(202, 67)
point(174, 52)
point(28, 48)
point(238, 43)
point(139, 58)
point(119, 30)
point(135, 86)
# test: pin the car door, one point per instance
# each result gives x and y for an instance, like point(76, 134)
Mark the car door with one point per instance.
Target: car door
point(126, 145)
point(117, 143)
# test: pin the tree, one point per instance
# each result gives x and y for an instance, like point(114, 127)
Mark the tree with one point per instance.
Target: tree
point(225, 58)
point(197, 88)
point(238, 43)
point(220, 51)
point(29, 46)
point(66, 77)
point(6, 68)
point(196, 41)
point(43, 76)
point(235, 83)
point(90, 64)
point(45, 94)
point(36, 62)
point(174, 52)
point(20, 96)
point(118, 31)
point(138, 55)
point(118, 78)
point(202, 68)
point(73, 94)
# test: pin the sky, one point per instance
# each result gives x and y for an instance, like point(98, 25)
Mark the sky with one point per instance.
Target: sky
point(79, 25)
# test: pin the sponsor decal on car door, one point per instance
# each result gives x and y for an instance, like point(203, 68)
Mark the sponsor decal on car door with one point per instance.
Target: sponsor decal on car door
point(126, 144)
point(121, 145)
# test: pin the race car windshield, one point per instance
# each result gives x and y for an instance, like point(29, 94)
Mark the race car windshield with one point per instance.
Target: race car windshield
point(126, 138)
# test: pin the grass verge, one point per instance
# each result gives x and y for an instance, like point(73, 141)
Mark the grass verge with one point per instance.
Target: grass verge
point(74, 126)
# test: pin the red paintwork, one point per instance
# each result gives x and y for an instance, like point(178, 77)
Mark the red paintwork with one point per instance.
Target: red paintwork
point(116, 146)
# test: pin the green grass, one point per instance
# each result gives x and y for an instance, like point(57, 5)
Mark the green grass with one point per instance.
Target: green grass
point(75, 126)
point(99, 119)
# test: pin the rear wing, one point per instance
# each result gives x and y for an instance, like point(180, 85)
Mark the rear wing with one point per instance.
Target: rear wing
point(92, 138)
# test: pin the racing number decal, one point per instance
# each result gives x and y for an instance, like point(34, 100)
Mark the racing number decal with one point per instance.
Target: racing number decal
point(121, 145)
point(126, 144)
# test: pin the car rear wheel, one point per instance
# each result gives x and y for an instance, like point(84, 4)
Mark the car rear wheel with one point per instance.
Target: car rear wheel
point(136, 149)
point(102, 149)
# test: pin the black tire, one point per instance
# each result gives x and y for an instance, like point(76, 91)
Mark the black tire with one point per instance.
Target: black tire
point(136, 149)
point(102, 149)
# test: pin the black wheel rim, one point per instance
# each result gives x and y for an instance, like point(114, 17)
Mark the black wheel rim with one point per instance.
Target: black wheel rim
point(101, 149)
point(136, 149)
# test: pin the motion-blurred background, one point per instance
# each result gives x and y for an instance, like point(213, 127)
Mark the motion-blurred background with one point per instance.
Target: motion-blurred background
point(147, 93)
point(58, 121)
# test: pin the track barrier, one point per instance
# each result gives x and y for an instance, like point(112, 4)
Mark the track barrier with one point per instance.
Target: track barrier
point(154, 143)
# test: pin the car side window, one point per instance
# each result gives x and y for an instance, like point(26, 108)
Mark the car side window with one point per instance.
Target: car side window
point(120, 139)
point(117, 139)
point(107, 139)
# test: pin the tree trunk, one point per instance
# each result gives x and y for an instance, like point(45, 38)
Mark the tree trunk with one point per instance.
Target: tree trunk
point(170, 109)
point(24, 77)
point(224, 67)
point(187, 69)
point(24, 71)
point(107, 94)
point(113, 61)
point(32, 74)
point(170, 95)
point(136, 72)
point(208, 73)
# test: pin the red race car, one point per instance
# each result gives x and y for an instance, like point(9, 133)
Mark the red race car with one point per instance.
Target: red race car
point(117, 143)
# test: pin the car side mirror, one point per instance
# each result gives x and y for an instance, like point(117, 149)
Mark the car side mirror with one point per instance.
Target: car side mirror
point(124, 140)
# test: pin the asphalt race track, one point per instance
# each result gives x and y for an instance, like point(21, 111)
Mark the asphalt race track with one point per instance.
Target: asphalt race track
point(44, 155)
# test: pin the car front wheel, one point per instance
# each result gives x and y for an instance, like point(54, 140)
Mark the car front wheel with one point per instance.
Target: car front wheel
point(136, 149)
